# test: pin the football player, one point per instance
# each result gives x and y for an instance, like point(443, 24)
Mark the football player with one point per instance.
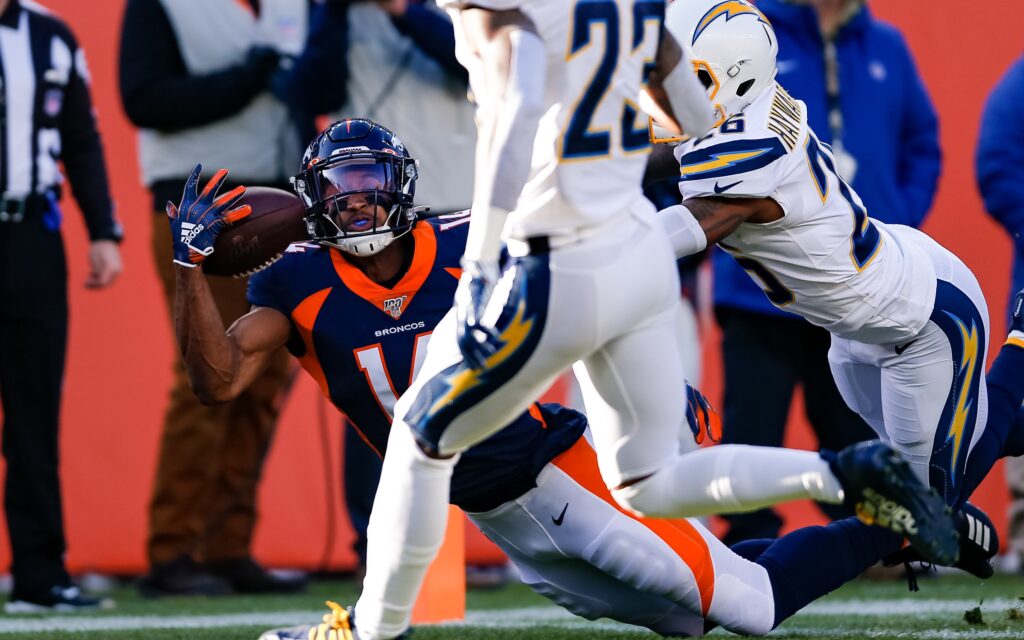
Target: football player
point(561, 150)
point(357, 307)
point(908, 319)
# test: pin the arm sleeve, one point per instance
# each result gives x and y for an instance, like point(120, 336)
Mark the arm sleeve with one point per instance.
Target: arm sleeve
point(920, 160)
point(999, 158)
point(317, 80)
point(434, 34)
point(155, 83)
point(82, 154)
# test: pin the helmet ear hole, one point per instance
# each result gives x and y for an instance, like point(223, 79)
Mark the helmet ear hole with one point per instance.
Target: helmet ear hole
point(744, 87)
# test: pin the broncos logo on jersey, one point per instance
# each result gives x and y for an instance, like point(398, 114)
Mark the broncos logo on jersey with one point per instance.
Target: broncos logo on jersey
point(730, 9)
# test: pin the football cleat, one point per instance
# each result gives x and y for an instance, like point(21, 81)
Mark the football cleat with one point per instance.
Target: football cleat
point(979, 544)
point(339, 624)
point(882, 490)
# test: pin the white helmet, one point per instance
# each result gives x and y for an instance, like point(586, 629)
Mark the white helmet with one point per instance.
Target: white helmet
point(733, 47)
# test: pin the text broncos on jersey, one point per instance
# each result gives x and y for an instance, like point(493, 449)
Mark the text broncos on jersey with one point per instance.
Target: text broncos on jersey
point(400, 329)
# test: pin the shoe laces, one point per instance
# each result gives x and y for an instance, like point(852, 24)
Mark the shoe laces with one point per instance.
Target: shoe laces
point(337, 624)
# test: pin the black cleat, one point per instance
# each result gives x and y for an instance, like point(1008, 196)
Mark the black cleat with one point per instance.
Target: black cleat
point(882, 490)
point(57, 600)
point(979, 544)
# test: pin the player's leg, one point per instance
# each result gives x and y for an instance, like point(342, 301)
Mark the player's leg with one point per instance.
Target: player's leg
point(1004, 432)
point(673, 577)
point(575, 545)
point(859, 381)
point(449, 408)
point(634, 404)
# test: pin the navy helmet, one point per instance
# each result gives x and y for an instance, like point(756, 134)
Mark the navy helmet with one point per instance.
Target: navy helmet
point(356, 165)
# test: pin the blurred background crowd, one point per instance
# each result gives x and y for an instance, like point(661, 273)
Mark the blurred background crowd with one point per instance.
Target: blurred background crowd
point(201, 500)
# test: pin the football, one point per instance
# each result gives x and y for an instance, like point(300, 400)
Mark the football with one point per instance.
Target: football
point(259, 239)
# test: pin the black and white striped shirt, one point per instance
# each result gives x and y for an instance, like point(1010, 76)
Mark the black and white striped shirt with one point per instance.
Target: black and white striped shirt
point(46, 116)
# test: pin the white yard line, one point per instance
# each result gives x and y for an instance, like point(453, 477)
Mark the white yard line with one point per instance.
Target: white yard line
point(532, 616)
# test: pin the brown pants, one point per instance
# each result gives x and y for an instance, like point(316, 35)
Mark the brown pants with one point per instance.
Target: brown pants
point(204, 496)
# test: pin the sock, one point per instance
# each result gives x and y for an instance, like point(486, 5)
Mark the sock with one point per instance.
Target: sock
point(752, 549)
point(813, 561)
point(1004, 428)
point(406, 530)
point(1005, 383)
point(731, 478)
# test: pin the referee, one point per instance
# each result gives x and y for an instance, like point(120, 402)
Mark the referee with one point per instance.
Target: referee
point(46, 117)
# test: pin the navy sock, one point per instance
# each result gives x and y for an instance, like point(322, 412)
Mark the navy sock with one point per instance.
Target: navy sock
point(813, 561)
point(1005, 382)
point(1004, 430)
point(752, 549)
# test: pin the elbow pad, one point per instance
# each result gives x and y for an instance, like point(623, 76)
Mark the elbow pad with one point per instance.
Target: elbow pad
point(682, 230)
point(694, 111)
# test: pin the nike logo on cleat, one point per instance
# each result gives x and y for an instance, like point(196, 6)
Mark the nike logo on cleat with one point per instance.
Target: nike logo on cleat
point(561, 516)
point(719, 189)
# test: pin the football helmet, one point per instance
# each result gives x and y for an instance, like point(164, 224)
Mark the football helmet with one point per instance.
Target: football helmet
point(357, 181)
point(733, 47)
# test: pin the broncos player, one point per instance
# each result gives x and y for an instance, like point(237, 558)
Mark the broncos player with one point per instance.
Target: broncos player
point(357, 308)
point(908, 319)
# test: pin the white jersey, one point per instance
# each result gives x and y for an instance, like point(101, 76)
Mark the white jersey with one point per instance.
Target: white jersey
point(825, 260)
point(592, 143)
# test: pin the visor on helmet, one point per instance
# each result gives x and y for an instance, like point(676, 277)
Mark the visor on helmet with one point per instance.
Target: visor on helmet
point(359, 201)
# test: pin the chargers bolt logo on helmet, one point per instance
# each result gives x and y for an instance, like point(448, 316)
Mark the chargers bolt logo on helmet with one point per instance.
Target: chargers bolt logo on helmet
point(357, 181)
point(733, 47)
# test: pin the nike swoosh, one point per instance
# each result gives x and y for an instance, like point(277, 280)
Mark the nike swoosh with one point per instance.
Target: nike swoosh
point(900, 348)
point(719, 189)
point(561, 516)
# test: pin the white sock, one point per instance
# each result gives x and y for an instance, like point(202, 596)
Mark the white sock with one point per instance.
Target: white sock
point(407, 525)
point(730, 479)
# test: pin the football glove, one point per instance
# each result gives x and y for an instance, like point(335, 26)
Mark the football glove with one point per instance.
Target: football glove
point(477, 341)
point(196, 222)
point(703, 420)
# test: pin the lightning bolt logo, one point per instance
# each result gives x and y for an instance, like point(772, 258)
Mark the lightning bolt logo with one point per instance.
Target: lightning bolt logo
point(968, 361)
point(730, 9)
point(512, 338)
point(721, 161)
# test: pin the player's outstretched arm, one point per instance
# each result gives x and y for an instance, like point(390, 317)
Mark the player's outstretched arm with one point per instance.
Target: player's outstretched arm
point(698, 222)
point(679, 99)
point(507, 67)
point(222, 364)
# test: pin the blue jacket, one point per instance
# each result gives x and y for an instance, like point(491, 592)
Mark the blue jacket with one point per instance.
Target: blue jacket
point(1000, 161)
point(889, 124)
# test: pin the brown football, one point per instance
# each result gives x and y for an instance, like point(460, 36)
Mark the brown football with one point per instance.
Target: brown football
point(261, 237)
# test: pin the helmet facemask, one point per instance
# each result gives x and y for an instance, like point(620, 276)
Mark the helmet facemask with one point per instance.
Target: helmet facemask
point(359, 200)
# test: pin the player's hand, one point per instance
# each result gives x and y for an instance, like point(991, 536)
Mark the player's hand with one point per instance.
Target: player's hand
point(104, 264)
point(703, 420)
point(197, 220)
point(477, 341)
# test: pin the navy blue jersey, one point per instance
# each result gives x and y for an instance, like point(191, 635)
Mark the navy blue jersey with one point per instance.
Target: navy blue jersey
point(363, 343)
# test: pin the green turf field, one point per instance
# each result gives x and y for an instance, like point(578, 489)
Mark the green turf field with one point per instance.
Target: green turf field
point(860, 610)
